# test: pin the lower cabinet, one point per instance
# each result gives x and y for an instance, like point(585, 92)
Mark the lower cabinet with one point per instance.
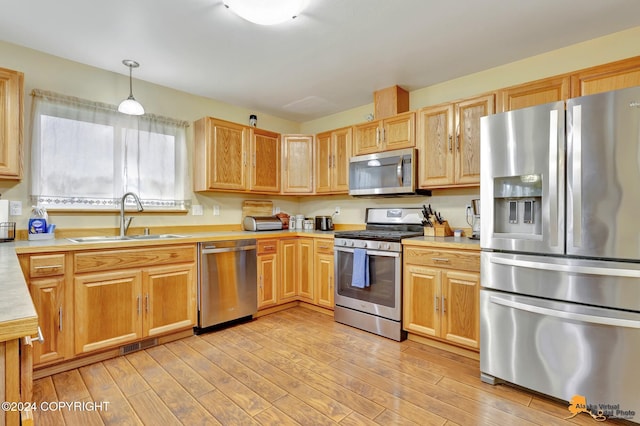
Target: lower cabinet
point(267, 273)
point(48, 299)
point(124, 295)
point(323, 273)
point(440, 299)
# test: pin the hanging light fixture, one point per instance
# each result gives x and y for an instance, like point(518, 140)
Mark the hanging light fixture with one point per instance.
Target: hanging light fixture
point(263, 12)
point(130, 105)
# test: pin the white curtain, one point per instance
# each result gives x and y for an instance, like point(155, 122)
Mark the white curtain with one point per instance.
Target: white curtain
point(86, 155)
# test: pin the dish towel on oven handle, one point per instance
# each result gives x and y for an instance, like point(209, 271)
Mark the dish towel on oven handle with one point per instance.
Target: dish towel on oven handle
point(360, 276)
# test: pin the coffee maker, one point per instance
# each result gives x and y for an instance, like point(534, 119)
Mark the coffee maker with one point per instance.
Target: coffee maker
point(473, 219)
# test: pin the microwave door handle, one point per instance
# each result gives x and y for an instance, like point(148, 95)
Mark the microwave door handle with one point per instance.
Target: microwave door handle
point(400, 172)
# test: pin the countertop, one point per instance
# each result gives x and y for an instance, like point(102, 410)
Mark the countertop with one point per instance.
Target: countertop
point(18, 316)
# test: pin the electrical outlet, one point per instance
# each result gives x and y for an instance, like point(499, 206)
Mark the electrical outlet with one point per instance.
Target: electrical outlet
point(276, 210)
point(197, 210)
point(336, 212)
point(15, 208)
point(216, 210)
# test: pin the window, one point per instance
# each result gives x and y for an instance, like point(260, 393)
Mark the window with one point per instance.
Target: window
point(86, 155)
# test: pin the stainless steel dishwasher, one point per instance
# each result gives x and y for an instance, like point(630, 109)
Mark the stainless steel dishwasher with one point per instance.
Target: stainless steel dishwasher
point(227, 286)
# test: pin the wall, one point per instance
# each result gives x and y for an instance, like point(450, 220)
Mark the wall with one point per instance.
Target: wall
point(452, 203)
point(52, 73)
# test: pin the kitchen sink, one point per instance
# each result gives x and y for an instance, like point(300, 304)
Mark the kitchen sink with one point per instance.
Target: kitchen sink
point(112, 238)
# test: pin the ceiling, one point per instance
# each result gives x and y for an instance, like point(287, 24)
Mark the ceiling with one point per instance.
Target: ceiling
point(331, 58)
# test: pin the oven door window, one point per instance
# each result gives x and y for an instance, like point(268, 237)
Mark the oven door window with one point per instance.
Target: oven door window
point(382, 277)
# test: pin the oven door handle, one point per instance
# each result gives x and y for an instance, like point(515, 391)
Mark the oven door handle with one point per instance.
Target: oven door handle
point(369, 252)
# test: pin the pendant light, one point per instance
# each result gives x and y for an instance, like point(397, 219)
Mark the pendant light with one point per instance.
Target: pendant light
point(263, 12)
point(130, 105)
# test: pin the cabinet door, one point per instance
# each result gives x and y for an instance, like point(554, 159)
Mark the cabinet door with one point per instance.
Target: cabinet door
point(324, 280)
point(612, 76)
point(305, 269)
point(341, 148)
point(467, 148)
point(323, 162)
point(267, 279)
point(227, 155)
point(265, 161)
point(297, 164)
point(169, 298)
point(108, 309)
point(288, 252)
point(436, 145)
point(48, 297)
point(367, 138)
point(11, 121)
point(535, 93)
point(461, 308)
point(422, 305)
point(399, 131)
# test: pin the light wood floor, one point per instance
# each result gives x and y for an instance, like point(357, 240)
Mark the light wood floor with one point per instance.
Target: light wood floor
point(292, 367)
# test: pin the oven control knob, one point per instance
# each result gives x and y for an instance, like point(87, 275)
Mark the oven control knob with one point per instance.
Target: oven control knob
point(363, 245)
point(352, 244)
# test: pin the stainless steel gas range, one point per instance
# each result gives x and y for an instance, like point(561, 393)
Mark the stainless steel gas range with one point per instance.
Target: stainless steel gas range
point(368, 271)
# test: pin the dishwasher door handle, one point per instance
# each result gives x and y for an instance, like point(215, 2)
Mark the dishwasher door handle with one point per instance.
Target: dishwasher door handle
point(226, 249)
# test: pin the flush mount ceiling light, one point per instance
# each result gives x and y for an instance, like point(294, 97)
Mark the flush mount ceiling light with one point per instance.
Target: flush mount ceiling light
point(266, 12)
point(130, 105)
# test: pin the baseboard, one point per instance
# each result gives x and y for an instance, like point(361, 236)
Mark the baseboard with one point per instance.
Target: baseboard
point(444, 346)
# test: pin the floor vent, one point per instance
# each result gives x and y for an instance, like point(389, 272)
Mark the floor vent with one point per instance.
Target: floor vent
point(127, 349)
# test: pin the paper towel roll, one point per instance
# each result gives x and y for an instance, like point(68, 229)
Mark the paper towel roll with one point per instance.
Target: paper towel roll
point(4, 217)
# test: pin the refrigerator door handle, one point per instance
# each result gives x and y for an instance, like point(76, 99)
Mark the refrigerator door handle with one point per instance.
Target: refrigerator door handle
point(576, 176)
point(553, 178)
point(577, 269)
point(592, 319)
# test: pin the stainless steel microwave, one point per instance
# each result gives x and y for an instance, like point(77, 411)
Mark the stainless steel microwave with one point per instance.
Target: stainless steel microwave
point(390, 173)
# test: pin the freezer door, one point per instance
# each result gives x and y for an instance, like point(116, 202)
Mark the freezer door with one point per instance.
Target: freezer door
point(590, 282)
point(603, 175)
point(522, 180)
point(563, 350)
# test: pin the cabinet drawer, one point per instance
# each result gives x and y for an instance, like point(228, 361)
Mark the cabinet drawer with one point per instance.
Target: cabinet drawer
point(92, 261)
point(46, 265)
point(267, 246)
point(452, 259)
point(324, 246)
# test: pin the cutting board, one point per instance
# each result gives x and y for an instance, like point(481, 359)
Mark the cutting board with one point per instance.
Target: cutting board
point(256, 208)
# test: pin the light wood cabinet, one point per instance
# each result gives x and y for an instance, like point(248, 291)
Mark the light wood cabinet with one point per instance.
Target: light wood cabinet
point(306, 284)
point(124, 295)
point(47, 283)
point(602, 78)
point(11, 123)
point(449, 142)
point(533, 93)
point(220, 155)
point(16, 380)
point(289, 272)
point(265, 161)
point(324, 273)
point(297, 164)
point(441, 295)
point(333, 150)
point(107, 309)
point(267, 263)
point(395, 132)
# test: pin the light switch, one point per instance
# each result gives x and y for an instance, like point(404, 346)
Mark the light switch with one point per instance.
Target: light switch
point(15, 208)
point(196, 210)
point(216, 210)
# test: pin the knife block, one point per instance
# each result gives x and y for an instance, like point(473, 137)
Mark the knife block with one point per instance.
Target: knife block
point(438, 230)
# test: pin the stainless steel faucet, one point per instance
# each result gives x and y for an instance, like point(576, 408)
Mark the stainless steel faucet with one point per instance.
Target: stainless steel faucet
point(126, 221)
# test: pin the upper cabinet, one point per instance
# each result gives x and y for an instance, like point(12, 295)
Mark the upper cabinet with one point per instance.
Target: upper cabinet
point(220, 158)
point(449, 142)
point(395, 132)
point(297, 164)
point(265, 161)
point(233, 157)
point(11, 106)
point(612, 76)
point(333, 150)
point(533, 93)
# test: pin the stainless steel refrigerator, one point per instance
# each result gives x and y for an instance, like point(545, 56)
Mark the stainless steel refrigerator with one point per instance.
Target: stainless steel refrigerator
point(560, 261)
